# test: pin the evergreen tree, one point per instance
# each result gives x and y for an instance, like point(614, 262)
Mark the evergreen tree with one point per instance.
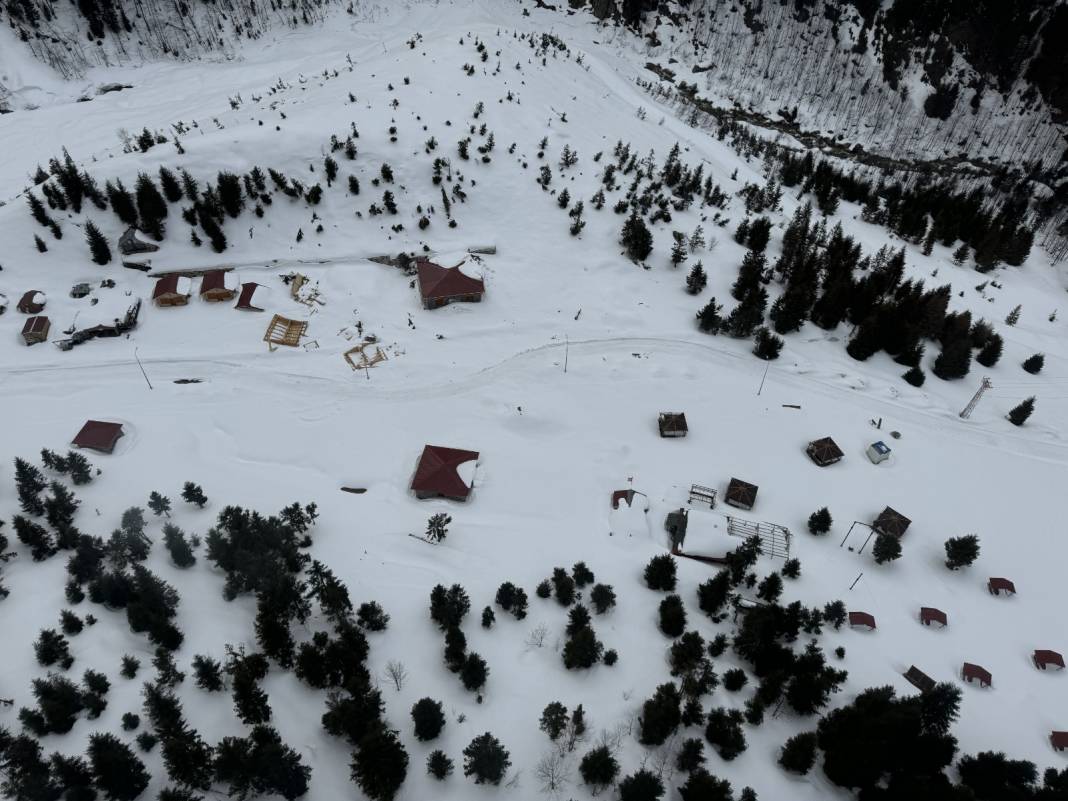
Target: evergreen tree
point(747, 315)
point(79, 468)
point(691, 755)
point(750, 275)
point(703, 786)
point(955, 360)
point(486, 759)
point(439, 765)
point(766, 346)
point(709, 319)
point(52, 648)
point(151, 207)
point(770, 588)
point(36, 537)
point(961, 551)
point(29, 483)
point(261, 764)
point(1013, 316)
point(887, 548)
point(38, 210)
point(915, 376)
point(230, 195)
point(178, 547)
point(724, 732)
point(372, 616)
point(117, 772)
point(563, 587)
point(207, 673)
point(474, 672)
point(990, 353)
point(867, 340)
point(172, 190)
point(798, 755)
point(582, 650)
point(641, 786)
point(192, 493)
point(660, 573)
point(672, 616)
point(41, 246)
point(554, 720)
point(159, 504)
point(380, 764)
point(429, 719)
point(598, 768)
point(696, 281)
point(661, 715)
point(1034, 364)
point(122, 203)
point(820, 522)
point(636, 238)
point(1019, 414)
point(602, 597)
point(680, 249)
point(449, 607)
point(713, 594)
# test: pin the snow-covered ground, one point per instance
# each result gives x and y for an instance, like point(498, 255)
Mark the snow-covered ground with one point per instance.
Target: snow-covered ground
point(556, 379)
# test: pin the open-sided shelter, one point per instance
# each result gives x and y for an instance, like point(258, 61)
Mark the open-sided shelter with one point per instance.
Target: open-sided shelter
point(741, 494)
point(824, 451)
point(891, 522)
point(436, 474)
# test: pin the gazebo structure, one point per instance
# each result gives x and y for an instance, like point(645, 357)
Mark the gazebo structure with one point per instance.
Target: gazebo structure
point(436, 474)
point(1043, 659)
point(862, 619)
point(741, 494)
point(929, 615)
point(824, 451)
point(970, 673)
point(891, 522)
point(439, 286)
point(35, 329)
point(672, 424)
point(997, 586)
point(918, 679)
point(97, 435)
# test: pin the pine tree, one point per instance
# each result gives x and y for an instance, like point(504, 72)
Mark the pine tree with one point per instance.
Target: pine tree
point(636, 238)
point(192, 493)
point(660, 573)
point(750, 275)
point(747, 315)
point(178, 547)
point(207, 673)
point(230, 194)
point(554, 720)
point(121, 202)
point(798, 755)
point(151, 207)
point(954, 361)
point(1019, 414)
point(672, 616)
point(380, 764)
point(159, 504)
point(661, 715)
point(961, 551)
point(867, 340)
point(767, 346)
point(98, 244)
point(697, 279)
point(642, 785)
point(770, 588)
point(38, 210)
point(602, 597)
point(36, 537)
point(474, 672)
point(372, 616)
point(1013, 316)
point(887, 548)
point(915, 376)
point(598, 768)
point(439, 765)
point(1034, 364)
point(990, 353)
point(960, 255)
point(486, 759)
point(117, 772)
point(680, 248)
point(41, 246)
point(29, 484)
point(172, 190)
point(428, 718)
point(709, 319)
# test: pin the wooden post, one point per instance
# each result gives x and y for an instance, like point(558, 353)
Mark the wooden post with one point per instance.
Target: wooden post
point(854, 584)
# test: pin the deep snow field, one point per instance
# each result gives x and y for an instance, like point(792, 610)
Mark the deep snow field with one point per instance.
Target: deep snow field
point(263, 428)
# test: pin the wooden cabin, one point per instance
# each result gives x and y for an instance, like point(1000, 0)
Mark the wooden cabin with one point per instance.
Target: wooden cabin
point(440, 286)
point(437, 476)
point(98, 435)
point(824, 451)
point(862, 619)
point(171, 290)
point(32, 302)
point(918, 679)
point(891, 522)
point(213, 287)
point(35, 330)
point(741, 494)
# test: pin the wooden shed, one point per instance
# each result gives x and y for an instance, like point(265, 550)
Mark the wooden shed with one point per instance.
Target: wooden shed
point(97, 435)
point(35, 330)
point(741, 494)
point(1044, 659)
point(929, 615)
point(920, 680)
point(437, 474)
point(824, 451)
point(970, 673)
point(672, 424)
point(32, 302)
point(862, 619)
point(171, 291)
point(213, 287)
point(1059, 740)
point(891, 522)
point(244, 302)
point(997, 586)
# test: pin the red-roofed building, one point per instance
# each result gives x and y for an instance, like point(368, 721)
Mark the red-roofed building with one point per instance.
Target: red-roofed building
point(213, 287)
point(436, 475)
point(98, 436)
point(929, 615)
point(439, 286)
point(1059, 740)
point(996, 586)
point(32, 302)
point(970, 673)
point(862, 619)
point(244, 302)
point(169, 291)
point(1044, 659)
point(35, 330)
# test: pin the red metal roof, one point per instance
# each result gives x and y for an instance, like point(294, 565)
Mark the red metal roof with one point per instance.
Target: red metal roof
point(1044, 658)
point(245, 300)
point(27, 305)
point(997, 585)
point(929, 614)
point(167, 285)
point(1059, 739)
point(98, 436)
point(436, 472)
point(437, 282)
point(861, 619)
point(35, 325)
point(970, 672)
point(216, 279)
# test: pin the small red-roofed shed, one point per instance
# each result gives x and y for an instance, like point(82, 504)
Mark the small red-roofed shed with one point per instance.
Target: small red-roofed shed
point(970, 673)
point(997, 586)
point(97, 435)
point(1059, 740)
point(1044, 659)
point(862, 619)
point(929, 615)
point(436, 474)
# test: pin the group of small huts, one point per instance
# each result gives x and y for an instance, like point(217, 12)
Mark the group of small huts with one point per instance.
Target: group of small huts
point(175, 289)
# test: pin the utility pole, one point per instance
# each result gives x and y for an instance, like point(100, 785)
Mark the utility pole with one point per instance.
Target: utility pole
point(142, 369)
point(966, 412)
point(764, 377)
point(567, 348)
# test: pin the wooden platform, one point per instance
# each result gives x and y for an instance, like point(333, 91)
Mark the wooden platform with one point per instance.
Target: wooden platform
point(283, 331)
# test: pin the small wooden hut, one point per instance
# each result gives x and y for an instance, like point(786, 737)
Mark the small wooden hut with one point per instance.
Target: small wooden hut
point(672, 424)
point(970, 673)
point(35, 330)
point(918, 679)
point(170, 291)
point(862, 619)
point(1059, 740)
point(213, 287)
point(997, 586)
point(437, 474)
point(1043, 659)
point(32, 302)
point(741, 494)
point(99, 436)
point(824, 451)
point(929, 615)
point(891, 522)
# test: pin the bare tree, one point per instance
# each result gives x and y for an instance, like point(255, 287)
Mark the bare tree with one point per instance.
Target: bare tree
point(554, 772)
point(536, 638)
point(397, 673)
